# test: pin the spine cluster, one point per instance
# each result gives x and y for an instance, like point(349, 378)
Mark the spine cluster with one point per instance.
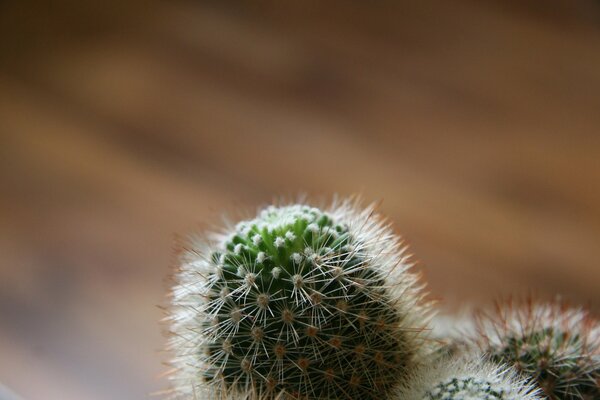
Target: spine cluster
point(467, 378)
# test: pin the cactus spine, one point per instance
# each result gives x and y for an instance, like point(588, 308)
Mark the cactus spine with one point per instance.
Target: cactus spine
point(557, 347)
point(466, 378)
point(297, 303)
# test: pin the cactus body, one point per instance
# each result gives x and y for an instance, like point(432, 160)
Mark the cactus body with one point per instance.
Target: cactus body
point(298, 303)
point(558, 348)
point(466, 378)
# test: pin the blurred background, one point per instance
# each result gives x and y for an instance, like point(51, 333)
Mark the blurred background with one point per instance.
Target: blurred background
point(475, 123)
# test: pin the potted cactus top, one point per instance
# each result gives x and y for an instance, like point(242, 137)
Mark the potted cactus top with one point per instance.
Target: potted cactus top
point(298, 302)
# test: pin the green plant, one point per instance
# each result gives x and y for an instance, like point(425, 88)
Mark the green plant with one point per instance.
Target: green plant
point(557, 347)
point(298, 302)
point(466, 378)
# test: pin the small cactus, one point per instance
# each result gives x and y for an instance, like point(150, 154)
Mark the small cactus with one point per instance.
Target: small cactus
point(297, 303)
point(557, 347)
point(466, 378)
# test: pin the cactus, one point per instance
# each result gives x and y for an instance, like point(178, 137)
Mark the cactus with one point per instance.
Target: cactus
point(466, 378)
point(556, 346)
point(297, 303)
point(449, 332)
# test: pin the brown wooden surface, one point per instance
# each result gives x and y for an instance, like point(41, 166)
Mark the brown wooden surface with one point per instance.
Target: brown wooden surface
point(476, 122)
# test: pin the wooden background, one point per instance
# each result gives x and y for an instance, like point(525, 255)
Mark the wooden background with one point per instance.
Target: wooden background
point(122, 123)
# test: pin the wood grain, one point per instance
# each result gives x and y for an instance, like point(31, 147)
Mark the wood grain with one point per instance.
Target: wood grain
point(475, 123)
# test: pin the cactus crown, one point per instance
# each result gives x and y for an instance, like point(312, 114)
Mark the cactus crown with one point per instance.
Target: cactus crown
point(558, 347)
point(296, 303)
point(467, 388)
point(466, 378)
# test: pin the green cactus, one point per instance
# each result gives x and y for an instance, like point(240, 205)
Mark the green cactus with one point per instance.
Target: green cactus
point(297, 303)
point(466, 378)
point(557, 347)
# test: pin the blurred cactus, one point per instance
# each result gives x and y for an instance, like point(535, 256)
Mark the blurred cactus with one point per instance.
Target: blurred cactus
point(297, 303)
point(556, 346)
point(449, 331)
point(466, 378)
